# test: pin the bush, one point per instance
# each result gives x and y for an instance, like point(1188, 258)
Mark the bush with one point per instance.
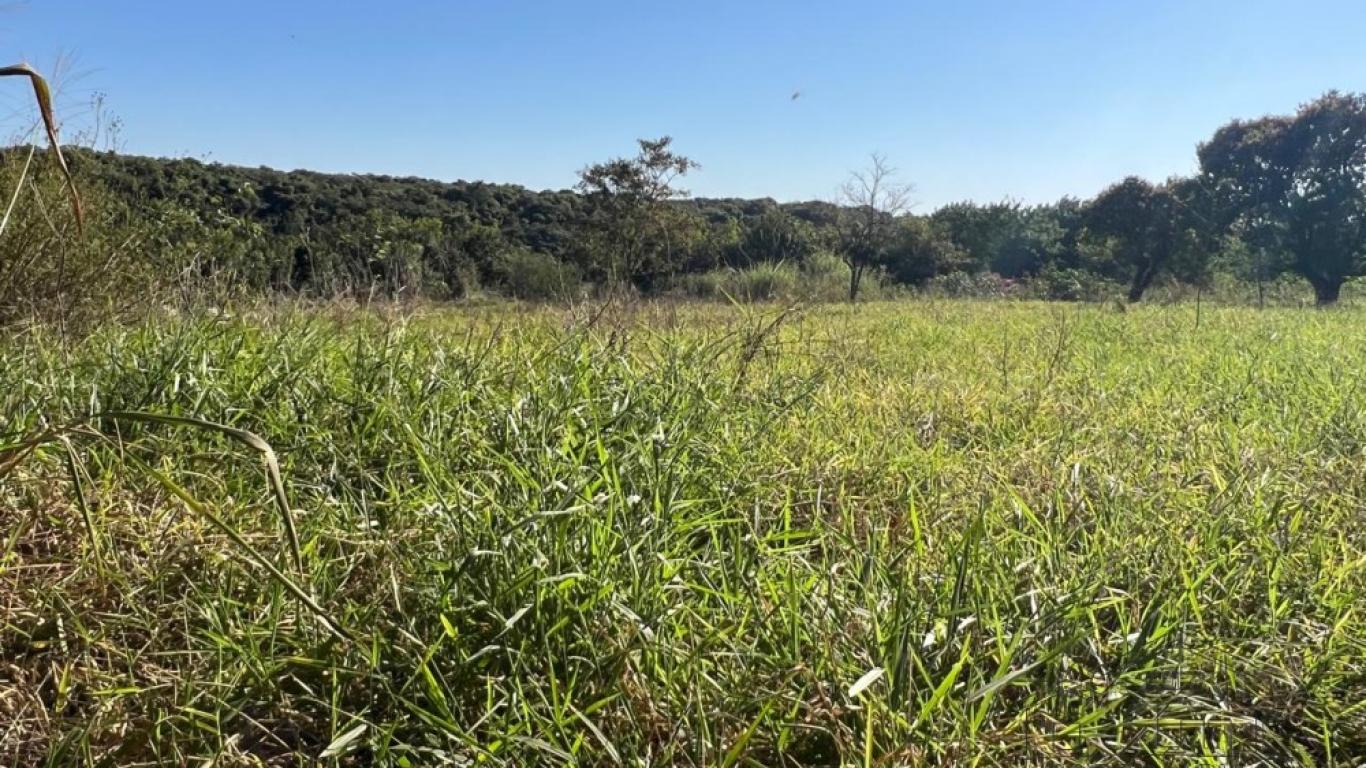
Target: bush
point(1285, 290)
point(822, 277)
point(533, 276)
point(1055, 283)
point(972, 285)
point(765, 281)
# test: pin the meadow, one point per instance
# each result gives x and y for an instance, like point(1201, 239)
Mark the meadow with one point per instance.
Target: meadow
point(903, 533)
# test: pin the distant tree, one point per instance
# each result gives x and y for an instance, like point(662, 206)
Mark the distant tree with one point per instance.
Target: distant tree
point(1145, 229)
point(1297, 184)
point(630, 227)
point(718, 244)
point(1030, 239)
point(1068, 214)
point(689, 239)
point(988, 235)
point(865, 226)
point(820, 214)
point(921, 250)
point(774, 235)
point(1198, 239)
point(481, 245)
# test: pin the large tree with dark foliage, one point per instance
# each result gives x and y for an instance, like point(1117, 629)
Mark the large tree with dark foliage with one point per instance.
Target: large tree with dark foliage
point(979, 231)
point(921, 250)
point(1297, 184)
point(1143, 229)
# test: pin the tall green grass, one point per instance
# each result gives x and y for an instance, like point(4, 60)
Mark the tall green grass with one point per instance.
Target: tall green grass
point(894, 534)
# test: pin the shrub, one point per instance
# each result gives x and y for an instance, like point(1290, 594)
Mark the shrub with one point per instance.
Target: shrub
point(1055, 283)
point(972, 285)
point(820, 278)
point(764, 281)
point(533, 276)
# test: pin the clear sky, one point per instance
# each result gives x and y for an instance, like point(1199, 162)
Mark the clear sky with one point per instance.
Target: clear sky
point(974, 99)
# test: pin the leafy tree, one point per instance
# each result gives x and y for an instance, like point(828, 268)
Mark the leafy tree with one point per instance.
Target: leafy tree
point(1279, 194)
point(1030, 239)
point(1199, 240)
point(920, 251)
point(1297, 184)
point(630, 228)
point(772, 236)
point(1010, 239)
point(1144, 229)
point(979, 231)
point(390, 253)
point(1068, 215)
point(867, 219)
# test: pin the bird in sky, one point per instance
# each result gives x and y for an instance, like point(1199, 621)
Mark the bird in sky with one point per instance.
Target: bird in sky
point(796, 95)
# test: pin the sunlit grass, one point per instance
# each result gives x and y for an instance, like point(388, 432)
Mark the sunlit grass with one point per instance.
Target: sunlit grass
point(923, 533)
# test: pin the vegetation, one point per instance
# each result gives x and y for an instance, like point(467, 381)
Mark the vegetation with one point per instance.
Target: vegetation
point(42, 96)
point(1275, 196)
point(236, 530)
point(865, 228)
point(1145, 229)
point(630, 232)
point(908, 533)
point(1296, 186)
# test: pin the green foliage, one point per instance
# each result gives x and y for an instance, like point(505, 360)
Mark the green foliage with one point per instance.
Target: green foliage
point(56, 266)
point(823, 277)
point(920, 250)
point(991, 534)
point(526, 274)
point(631, 233)
point(1275, 195)
point(42, 96)
point(1297, 184)
point(774, 236)
point(1054, 283)
point(971, 285)
point(1009, 239)
point(1142, 230)
point(1032, 242)
point(977, 230)
point(764, 281)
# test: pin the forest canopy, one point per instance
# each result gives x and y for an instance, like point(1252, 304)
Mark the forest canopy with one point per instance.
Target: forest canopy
point(1275, 196)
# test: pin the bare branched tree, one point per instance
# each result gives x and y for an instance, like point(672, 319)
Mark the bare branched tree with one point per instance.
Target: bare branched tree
point(870, 203)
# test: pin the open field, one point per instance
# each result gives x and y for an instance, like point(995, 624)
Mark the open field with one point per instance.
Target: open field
point(688, 535)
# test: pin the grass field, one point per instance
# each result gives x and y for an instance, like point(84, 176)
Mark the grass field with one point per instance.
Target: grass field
point(921, 533)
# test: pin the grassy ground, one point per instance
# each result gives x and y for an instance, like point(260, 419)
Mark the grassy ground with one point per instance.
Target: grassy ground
point(921, 533)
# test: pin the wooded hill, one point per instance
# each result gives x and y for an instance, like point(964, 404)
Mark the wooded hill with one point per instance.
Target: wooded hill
point(1278, 195)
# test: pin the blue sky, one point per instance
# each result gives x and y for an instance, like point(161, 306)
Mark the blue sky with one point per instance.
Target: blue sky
point(976, 99)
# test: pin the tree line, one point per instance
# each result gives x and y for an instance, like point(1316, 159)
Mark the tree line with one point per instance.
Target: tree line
point(1273, 196)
